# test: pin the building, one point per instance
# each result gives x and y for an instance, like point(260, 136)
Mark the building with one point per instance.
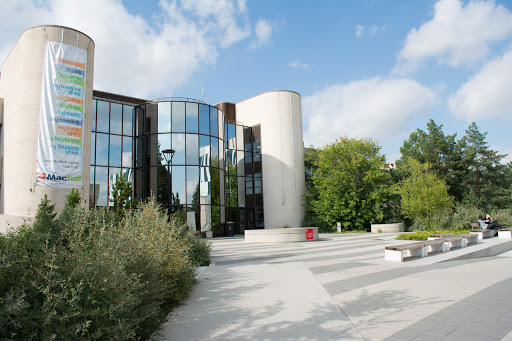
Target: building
point(233, 162)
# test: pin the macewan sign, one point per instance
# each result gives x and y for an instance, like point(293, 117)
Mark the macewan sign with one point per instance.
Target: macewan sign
point(60, 145)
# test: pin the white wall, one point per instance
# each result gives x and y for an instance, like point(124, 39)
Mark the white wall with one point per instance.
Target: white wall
point(280, 116)
point(20, 86)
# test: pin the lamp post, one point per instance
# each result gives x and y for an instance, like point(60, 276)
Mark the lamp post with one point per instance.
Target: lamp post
point(168, 154)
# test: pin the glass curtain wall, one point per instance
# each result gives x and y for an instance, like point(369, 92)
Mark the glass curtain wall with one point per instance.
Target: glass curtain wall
point(194, 131)
point(112, 133)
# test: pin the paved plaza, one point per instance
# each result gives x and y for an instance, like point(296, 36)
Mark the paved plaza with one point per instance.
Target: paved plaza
point(341, 288)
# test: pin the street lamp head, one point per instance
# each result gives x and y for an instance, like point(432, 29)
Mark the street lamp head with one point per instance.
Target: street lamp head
point(168, 154)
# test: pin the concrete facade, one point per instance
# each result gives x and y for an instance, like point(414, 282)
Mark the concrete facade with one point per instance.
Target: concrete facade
point(280, 115)
point(20, 87)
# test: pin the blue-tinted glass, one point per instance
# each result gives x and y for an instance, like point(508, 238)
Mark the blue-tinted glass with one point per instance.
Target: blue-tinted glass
point(92, 201)
point(178, 144)
point(221, 125)
point(192, 185)
point(204, 119)
point(116, 118)
point(204, 150)
point(93, 114)
point(128, 120)
point(192, 153)
point(164, 141)
point(115, 151)
point(93, 147)
point(178, 184)
point(215, 151)
point(102, 149)
point(102, 186)
point(192, 117)
point(214, 125)
point(103, 116)
point(164, 117)
point(178, 117)
point(114, 174)
point(127, 152)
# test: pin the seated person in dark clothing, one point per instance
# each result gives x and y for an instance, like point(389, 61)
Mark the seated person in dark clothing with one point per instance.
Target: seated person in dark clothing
point(492, 224)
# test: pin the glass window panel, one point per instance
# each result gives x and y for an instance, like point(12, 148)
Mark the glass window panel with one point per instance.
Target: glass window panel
point(221, 124)
point(92, 201)
point(114, 174)
point(240, 163)
point(192, 185)
point(93, 147)
point(115, 151)
point(241, 191)
point(204, 119)
point(192, 153)
point(140, 155)
point(101, 183)
point(162, 189)
point(206, 218)
point(204, 150)
point(214, 125)
point(215, 152)
point(93, 114)
point(193, 218)
point(178, 144)
point(222, 196)
point(103, 116)
point(231, 136)
point(127, 152)
point(116, 118)
point(164, 117)
point(139, 120)
point(240, 137)
point(128, 120)
point(178, 117)
point(192, 117)
point(205, 185)
point(178, 186)
point(232, 191)
point(164, 142)
point(101, 149)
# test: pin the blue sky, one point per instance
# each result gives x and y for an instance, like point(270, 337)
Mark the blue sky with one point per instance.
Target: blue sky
point(378, 69)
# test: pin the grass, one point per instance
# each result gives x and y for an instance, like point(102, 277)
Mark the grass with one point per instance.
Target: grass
point(423, 235)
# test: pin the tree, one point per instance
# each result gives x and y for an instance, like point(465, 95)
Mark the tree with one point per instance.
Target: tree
point(443, 152)
point(350, 185)
point(488, 181)
point(423, 193)
point(122, 193)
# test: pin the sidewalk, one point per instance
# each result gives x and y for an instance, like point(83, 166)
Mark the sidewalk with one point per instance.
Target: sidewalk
point(340, 288)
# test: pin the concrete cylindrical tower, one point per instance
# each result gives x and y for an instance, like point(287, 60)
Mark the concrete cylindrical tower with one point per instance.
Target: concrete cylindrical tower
point(21, 81)
point(280, 115)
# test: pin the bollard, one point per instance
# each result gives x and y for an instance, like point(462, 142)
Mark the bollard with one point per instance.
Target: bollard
point(339, 227)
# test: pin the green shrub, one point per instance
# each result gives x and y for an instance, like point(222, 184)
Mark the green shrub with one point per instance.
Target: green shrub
point(90, 276)
point(423, 235)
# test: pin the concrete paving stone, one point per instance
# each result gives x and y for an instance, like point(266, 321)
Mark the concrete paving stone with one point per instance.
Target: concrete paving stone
point(455, 337)
point(336, 267)
point(402, 336)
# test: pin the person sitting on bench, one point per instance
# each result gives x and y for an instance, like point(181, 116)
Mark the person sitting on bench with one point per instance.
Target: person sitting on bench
point(482, 222)
point(491, 223)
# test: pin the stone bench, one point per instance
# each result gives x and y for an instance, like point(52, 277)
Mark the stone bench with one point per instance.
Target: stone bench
point(387, 228)
point(505, 233)
point(422, 249)
point(282, 235)
point(440, 235)
point(484, 233)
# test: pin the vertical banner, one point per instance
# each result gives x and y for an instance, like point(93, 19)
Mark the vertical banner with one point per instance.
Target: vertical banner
point(61, 122)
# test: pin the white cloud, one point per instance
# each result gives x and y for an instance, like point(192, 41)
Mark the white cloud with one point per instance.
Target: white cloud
point(377, 108)
point(457, 35)
point(133, 56)
point(263, 33)
point(297, 64)
point(487, 94)
point(362, 31)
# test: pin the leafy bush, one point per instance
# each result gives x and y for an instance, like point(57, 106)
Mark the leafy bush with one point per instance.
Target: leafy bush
point(423, 235)
point(92, 276)
point(460, 217)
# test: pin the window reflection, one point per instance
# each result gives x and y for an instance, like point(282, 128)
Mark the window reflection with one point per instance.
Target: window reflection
point(204, 119)
point(114, 174)
point(192, 149)
point(192, 185)
point(214, 125)
point(178, 116)
point(215, 149)
point(93, 114)
point(178, 144)
point(93, 146)
point(178, 186)
point(164, 117)
point(164, 142)
point(102, 186)
point(102, 149)
point(192, 117)
point(116, 118)
point(127, 156)
point(103, 116)
point(115, 151)
point(128, 120)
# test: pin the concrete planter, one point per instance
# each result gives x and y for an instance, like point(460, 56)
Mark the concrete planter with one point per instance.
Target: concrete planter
point(282, 235)
point(387, 228)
